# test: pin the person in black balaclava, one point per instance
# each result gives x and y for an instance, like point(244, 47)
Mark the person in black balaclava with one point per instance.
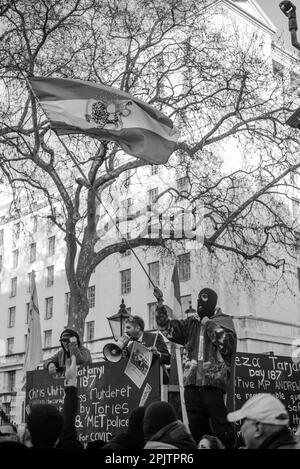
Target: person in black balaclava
point(210, 341)
point(70, 345)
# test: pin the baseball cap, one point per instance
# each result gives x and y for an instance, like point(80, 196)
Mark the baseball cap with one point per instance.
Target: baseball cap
point(263, 408)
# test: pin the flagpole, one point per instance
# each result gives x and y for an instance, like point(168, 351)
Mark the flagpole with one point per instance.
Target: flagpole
point(97, 196)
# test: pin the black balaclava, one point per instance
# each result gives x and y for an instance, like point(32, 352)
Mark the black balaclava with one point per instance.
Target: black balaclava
point(66, 334)
point(207, 300)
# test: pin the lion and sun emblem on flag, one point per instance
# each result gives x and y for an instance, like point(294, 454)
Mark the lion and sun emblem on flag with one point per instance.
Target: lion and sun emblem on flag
point(108, 116)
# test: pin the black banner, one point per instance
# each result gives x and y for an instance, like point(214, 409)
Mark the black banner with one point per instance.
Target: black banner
point(277, 375)
point(106, 396)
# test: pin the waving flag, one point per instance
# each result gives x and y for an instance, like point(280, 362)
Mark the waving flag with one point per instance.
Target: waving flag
point(34, 352)
point(75, 106)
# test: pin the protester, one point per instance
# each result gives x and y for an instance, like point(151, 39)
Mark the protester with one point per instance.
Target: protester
point(163, 430)
point(210, 341)
point(134, 437)
point(134, 328)
point(210, 442)
point(265, 422)
point(71, 345)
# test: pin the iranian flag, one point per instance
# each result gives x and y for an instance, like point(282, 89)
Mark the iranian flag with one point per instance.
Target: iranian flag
point(81, 107)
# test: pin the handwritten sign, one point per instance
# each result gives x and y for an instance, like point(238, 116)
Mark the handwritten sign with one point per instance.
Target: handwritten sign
point(277, 375)
point(106, 397)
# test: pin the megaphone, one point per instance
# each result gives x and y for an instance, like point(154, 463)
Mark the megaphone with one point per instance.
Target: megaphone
point(112, 352)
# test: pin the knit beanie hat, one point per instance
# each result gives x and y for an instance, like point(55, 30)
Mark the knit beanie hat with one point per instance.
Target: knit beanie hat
point(67, 333)
point(157, 416)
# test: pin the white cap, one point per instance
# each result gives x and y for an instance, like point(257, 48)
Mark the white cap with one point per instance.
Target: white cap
point(263, 408)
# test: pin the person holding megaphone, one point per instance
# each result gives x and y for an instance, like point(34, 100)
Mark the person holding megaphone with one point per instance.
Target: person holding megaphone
point(134, 328)
point(134, 331)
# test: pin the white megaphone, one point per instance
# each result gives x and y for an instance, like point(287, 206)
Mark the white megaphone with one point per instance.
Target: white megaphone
point(112, 352)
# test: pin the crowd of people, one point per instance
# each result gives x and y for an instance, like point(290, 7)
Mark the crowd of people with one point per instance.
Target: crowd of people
point(210, 341)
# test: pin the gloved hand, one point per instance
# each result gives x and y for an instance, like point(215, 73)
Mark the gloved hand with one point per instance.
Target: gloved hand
point(157, 293)
point(161, 316)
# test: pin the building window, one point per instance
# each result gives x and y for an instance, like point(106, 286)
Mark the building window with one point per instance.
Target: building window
point(29, 282)
point(183, 184)
point(34, 223)
point(90, 330)
point(49, 308)
point(47, 338)
point(50, 276)
point(27, 313)
point(184, 267)
point(15, 254)
point(154, 169)
point(25, 341)
point(16, 231)
point(11, 381)
point(51, 246)
point(185, 302)
point(32, 252)
point(91, 296)
point(10, 345)
point(126, 206)
point(151, 315)
point(67, 302)
point(11, 316)
point(153, 270)
point(152, 195)
point(13, 286)
point(50, 224)
point(125, 281)
point(1, 237)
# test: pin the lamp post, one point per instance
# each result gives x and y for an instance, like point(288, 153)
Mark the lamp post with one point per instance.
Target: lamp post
point(117, 321)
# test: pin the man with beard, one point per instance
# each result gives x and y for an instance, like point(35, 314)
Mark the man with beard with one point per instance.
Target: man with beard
point(209, 338)
point(70, 345)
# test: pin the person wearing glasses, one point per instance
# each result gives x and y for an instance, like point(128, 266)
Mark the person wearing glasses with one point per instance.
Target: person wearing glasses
point(70, 345)
point(209, 338)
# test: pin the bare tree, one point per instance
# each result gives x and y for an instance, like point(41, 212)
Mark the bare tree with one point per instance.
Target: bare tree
point(173, 55)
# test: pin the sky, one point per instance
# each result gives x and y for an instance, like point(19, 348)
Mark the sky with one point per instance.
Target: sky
point(271, 8)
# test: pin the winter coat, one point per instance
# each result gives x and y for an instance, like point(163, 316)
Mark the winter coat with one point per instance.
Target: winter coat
point(82, 354)
point(283, 439)
point(219, 347)
point(174, 435)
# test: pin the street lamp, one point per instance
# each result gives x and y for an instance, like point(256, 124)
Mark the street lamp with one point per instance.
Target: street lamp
point(190, 310)
point(289, 10)
point(117, 321)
